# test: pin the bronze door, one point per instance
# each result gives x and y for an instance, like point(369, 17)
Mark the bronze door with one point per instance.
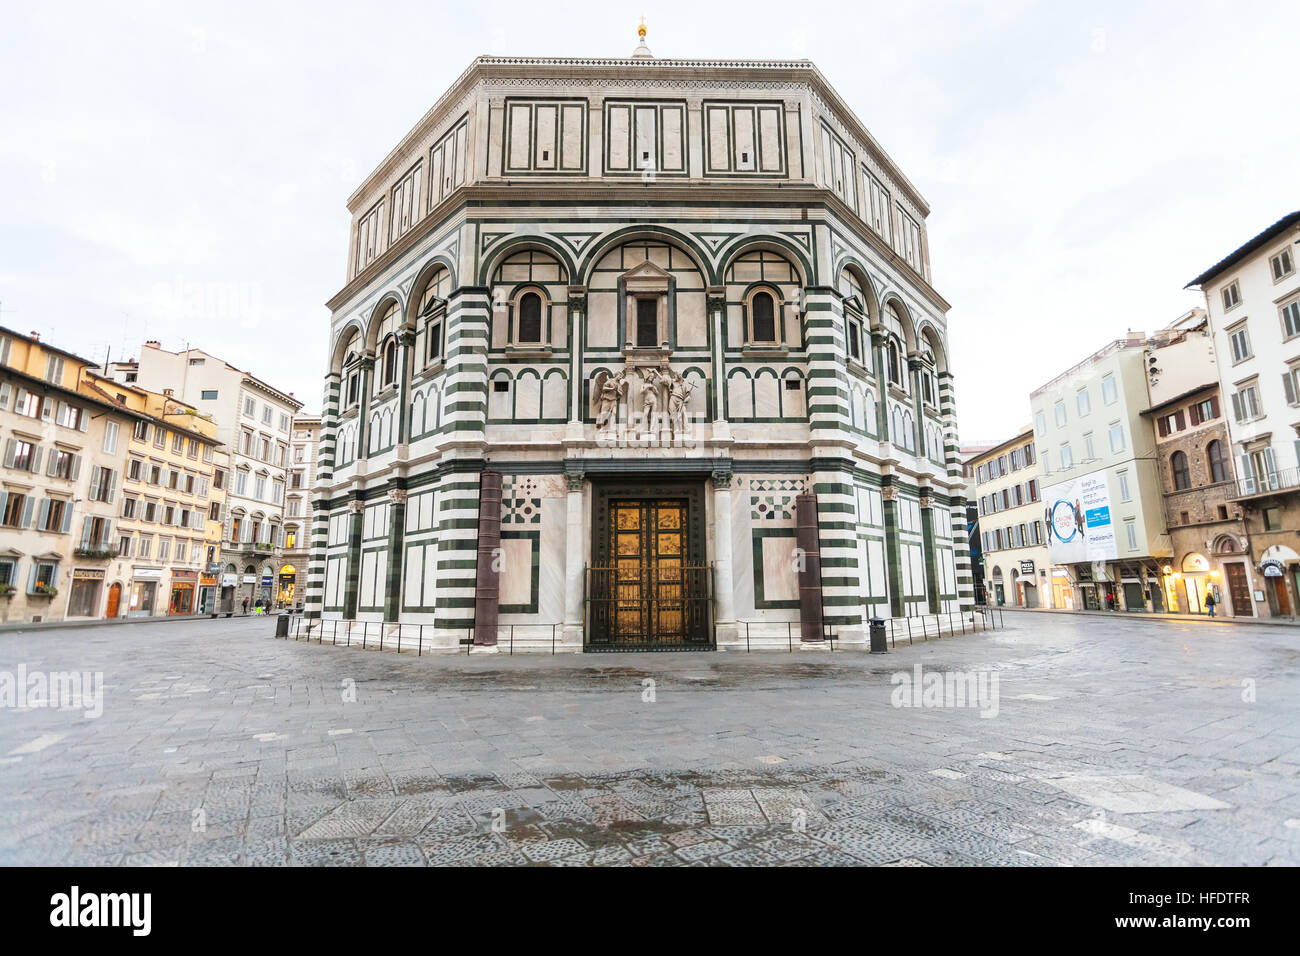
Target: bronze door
point(1239, 590)
point(649, 597)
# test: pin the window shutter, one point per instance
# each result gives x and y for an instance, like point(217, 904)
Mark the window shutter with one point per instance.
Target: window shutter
point(63, 413)
point(1214, 406)
point(36, 459)
point(108, 534)
point(44, 514)
point(83, 420)
point(1288, 384)
point(67, 519)
point(1180, 420)
point(4, 500)
point(1236, 406)
point(26, 520)
point(47, 409)
point(85, 531)
point(112, 485)
point(11, 447)
point(4, 395)
point(94, 481)
point(53, 462)
point(76, 466)
point(1247, 471)
point(31, 579)
point(1269, 463)
point(1195, 414)
point(1162, 423)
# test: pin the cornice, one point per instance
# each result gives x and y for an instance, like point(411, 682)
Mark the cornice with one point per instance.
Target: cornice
point(799, 195)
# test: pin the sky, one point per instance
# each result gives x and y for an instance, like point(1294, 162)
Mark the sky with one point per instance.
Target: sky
point(179, 171)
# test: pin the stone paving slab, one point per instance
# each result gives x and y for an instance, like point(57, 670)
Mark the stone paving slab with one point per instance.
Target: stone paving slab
point(1113, 742)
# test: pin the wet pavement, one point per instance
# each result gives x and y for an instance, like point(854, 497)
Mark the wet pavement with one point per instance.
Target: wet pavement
point(1059, 740)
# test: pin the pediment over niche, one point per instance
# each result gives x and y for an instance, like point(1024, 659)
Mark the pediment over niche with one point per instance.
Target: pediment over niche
point(646, 277)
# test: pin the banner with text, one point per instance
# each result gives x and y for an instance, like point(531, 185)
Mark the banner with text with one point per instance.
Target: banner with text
point(1078, 518)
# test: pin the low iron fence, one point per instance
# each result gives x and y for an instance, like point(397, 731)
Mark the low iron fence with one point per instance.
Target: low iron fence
point(400, 636)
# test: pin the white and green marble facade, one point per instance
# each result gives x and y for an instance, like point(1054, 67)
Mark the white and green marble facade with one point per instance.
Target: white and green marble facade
point(587, 183)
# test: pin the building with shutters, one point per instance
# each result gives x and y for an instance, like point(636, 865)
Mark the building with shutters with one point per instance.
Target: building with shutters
point(304, 450)
point(253, 422)
point(168, 534)
point(1208, 532)
point(637, 353)
point(1102, 501)
point(1253, 300)
point(1013, 540)
point(64, 441)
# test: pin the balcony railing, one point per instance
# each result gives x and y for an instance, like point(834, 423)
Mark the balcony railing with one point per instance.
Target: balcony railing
point(1268, 483)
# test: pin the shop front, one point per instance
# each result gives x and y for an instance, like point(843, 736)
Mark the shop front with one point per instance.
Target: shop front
point(288, 578)
point(1062, 596)
point(207, 593)
point(145, 583)
point(83, 598)
point(229, 585)
point(1280, 567)
point(184, 584)
point(266, 587)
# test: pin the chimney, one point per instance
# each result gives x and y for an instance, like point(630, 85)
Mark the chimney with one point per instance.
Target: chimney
point(152, 344)
point(36, 336)
point(169, 392)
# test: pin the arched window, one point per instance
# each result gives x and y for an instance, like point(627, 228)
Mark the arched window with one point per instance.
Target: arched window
point(390, 362)
point(353, 372)
point(1182, 476)
point(432, 309)
point(1218, 456)
point(530, 318)
point(895, 365)
point(763, 313)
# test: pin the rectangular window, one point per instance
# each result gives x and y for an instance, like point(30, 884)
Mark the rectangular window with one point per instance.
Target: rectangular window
point(160, 438)
point(219, 479)
point(52, 515)
point(22, 455)
point(110, 438)
point(406, 201)
point(368, 236)
point(69, 416)
point(54, 370)
point(146, 546)
point(1060, 415)
point(1040, 423)
point(250, 407)
point(1130, 533)
point(878, 213)
point(1239, 341)
point(129, 507)
point(141, 432)
point(27, 404)
point(1109, 393)
point(1282, 265)
point(178, 442)
point(1124, 494)
point(1089, 452)
point(1272, 519)
point(1291, 385)
point(44, 575)
point(1291, 319)
point(284, 422)
point(1083, 403)
point(214, 511)
point(1116, 437)
point(1231, 296)
point(1067, 457)
point(192, 448)
point(208, 395)
point(266, 414)
point(164, 548)
point(1245, 403)
point(14, 507)
point(62, 464)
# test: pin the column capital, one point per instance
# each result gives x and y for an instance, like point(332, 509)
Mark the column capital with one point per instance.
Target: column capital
point(578, 298)
point(406, 337)
point(716, 297)
point(573, 480)
point(356, 506)
point(722, 480)
point(889, 493)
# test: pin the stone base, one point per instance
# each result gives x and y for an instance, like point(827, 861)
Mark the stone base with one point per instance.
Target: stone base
point(485, 648)
point(814, 646)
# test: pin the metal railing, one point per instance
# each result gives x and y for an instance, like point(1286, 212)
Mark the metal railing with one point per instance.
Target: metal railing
point(398, 636)
point(1283, 480)
point(829, 635)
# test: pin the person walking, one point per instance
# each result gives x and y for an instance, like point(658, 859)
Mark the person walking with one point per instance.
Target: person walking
point(245, 604)
point(1209, 603)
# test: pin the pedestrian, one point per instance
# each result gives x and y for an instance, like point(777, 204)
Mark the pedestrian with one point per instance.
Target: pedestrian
point(245, 603)
point(1209, 603)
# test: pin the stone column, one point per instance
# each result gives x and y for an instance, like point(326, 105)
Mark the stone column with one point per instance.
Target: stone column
point(574, 566)
point(357, 509)
point(363, 412)
point(578, 397)
point(927, 547)
point(717, 307)
point(406, 346)
point(879, 363)
point(723, 598)
point(918, 405)
point(893, 553)
point(314, 603)
point(396, 550)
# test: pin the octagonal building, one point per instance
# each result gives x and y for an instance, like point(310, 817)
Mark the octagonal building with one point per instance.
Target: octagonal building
point(637, 353)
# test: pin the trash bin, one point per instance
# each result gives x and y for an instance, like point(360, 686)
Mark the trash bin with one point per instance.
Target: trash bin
point(282, 625)
point(878, 645)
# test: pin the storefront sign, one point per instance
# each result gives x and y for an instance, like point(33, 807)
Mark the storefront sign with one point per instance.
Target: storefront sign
point(1026, 567)
point(266, 580)
point(1195, 563)
point(185, 575)
point(148, 574)
point(208, 580)
point(1272, 568)
point(250, 578)
point(87, 574)
point(229, 580)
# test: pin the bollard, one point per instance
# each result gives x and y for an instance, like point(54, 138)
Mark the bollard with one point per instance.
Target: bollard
point(878, 636)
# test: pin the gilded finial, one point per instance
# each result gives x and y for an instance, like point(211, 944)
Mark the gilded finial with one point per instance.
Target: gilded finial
point(640, 31)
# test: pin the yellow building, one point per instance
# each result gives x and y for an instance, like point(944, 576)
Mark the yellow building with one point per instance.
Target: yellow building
point(168, 542)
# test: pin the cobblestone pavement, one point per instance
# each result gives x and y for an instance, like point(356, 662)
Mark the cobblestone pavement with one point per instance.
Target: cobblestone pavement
point(1115, 742)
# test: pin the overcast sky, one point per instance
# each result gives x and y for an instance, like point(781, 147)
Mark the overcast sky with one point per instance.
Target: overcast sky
point(178, 171)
